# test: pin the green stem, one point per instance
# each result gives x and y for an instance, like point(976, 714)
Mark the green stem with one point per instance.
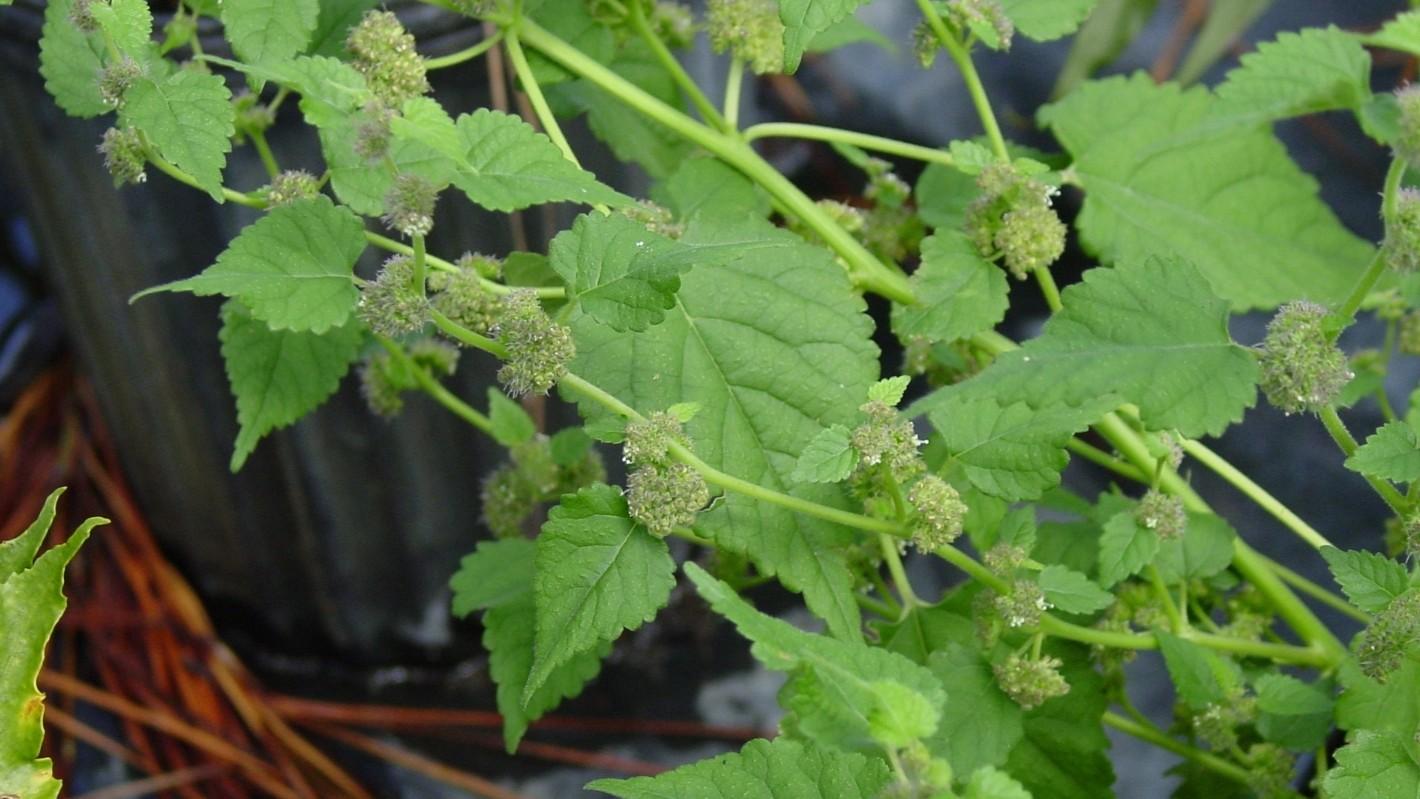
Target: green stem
point(881, 144)
point(466, 54)
point(1101, 458)
point(1151, 734)
point(1176, 621)
point(878, 607)
point(436, 390)
point(1319, 593)
point(1279, 653)
point(263, 151)
point(467, 337)
point(180, 176)
point(419, 281)
point(893, 559)
point(1048, 289)
point(534, 93)
point(435, 262)
point(734, 81)
point(673, 67)
point(1377, 267)
point(1331, 420)
point(1255, 492)
point(962, 58)
point(865, 268)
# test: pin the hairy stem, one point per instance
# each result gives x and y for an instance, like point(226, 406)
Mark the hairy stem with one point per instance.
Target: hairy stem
point(1377, 267)
point(1255, 492)
point(1331, 420)
point(263, 151)
point(466, 54)
point(1155, 736)
point(436, 389)
point(734, 82)
point(881, 144)
point(534, 93)
point(673, 67)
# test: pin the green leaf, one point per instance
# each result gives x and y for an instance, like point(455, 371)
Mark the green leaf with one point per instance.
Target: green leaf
point(500, 162)
point(128, 23)
point(992, 783)
point(1201, 676)
point(293, 267)
point(360, 184)
point(1401, 33)
point(1372, 705)
point(569, 445)
point(70, 61)
point(1370, 580)
point(958, 292)
point(889, 390)
point(775, 347)
point(778, 769)
point(980, 725)
point(1062, 754)
point(1292, 713)
point(1013, 451)
point(31, 602)
point(1148, 332)
point(278, 376)
point(924, 630)
point(511, 424)
point(1374, 765)
point(572, 22)
point(497, 573)
point(598, 573)
point(1252, 221)
point(707, 189)
point(1105, 34)
point(806, 19)
point(330, 89)
point(1306, 72)
point(1390, 453)
point(622, 274)
point(188, 117)
point(1072, 592)
point(333, 25)
point(849, 30)
point(845, 693)
point(828, 458)
point(268, 31)
point(1126, 547)
point(1044, 20)
point(1205, 549)
point(1226, 24)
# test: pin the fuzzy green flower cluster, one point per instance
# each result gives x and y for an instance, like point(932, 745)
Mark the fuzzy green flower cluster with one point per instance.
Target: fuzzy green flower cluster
point(409, 205)
point(373, 134)
point(1408, 338)
point(1381, 649)
point(888, 439)
point(384, 53)
point(1301, 369)
point(750, 29)
point(1407, 140)
point(1013, 220)
point(390, 305)
point(513, 492)
point(291, 185)
point(1031, 682)
point(938, 513)
point(124, 157)
point(985, 18)
point(538, 348)
point(661, 493)
point(383, 380)
point(115, 79)
point(1402, 233)
point(462, 297)
point(1216, 725)
point(1162, 513)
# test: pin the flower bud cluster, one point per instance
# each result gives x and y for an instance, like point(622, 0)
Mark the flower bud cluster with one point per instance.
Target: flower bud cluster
point(517, 489)
point(984, 17)
point(1381, 648)
point(1013, 219)
point(1162, 513)
point(1217, 724)
point(462, 297)
point(291, 185)
point(250, 116)
point(81, 16)
point(888, 439)
point(1022, 605)
point(1407, 141)
point(390, 305)
point(373, 134)
point(1031, 683)
point(938, 512)
point(538, 348)
point(409, 205)
point(1401, 247)
point(942, 362)
point(1301, 369)
point(925, 44)
point(124, 158)
point(751, 29)
point(1270, 770)
point(115, 79)
point(384, 53)
point(383, 380)
point(660, 492)
point(657, 218)
point(674, 24)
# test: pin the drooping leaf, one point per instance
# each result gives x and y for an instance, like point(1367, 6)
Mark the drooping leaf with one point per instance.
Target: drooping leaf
point(1126, 547)
point(1312, 70)
point(806, 19)
point(598, 573)
point(1063, 752)
point(1071, 591)
point(1401, 33)
point(1369, 579)
point(1368, 704)
point(511, 424)
point(1010, 451)
point(1374, 765)
point(1044, 20)
point(70, 61)
point(31, 602)
point(958, 292)
point(293, 268)
point(189, 118)
point(1205, 549)
point(1151, 333)
point(269, 31)
point(707, 189)
point(1201, 676)
point(980, 725)
point(843, 693)
point(501, 163)
point(774, 347)
point(497, 573)
point(828, 458)
point(778, 769)
point(1390, 453)
point(278, 376)
point(1292, 713)
point(926, 629)
point(1251, 222)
